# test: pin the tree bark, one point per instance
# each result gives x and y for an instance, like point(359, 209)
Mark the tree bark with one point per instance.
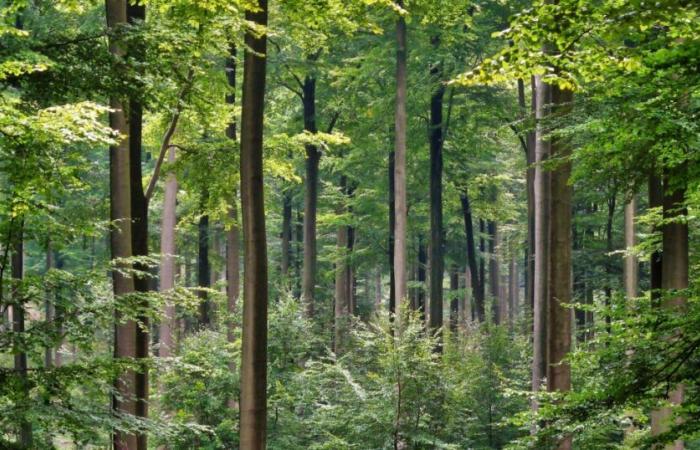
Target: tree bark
point(286, 233)
point(342, 280)
point(313, 157)
point(139, 228)
point(401, 208)
point(608, 261)
point(656, 259)
point(422, 265)
point(126, 333)
point(541, 191)
point(203, 267)
point(513, 292)
point(560, 263)
point(674, 276)
point(437, 257)
point(253, 416)
point(631, 267)
point(18, 318)
point(392, 233)
point(454, 300)
point(471, 258)
point(167, 259)
point(497, 308)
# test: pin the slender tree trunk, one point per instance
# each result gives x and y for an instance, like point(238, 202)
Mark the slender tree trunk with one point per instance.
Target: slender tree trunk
point(656, 260)
point(674, 277)
point(313, 157)
point(351, 282)
point(609, 245)
point(233, 270)
point(392, 233)
point(560, 263)
point(529, 268)
point(139, 229)
point(541, 191)
point(513, 292)
point(203, 267)
point(378, 288)
point(49, 312)
point(482, 263)
point(126, 333)
point(299, 252)
point(401, 208)
point(422, 265)
point(341, 279)
point(286, 233)
point(495, 274)
point(167, 259)
point(18, 317)
point(631, 267)
point(437, 257)
point(255, 291)
point(471, 257)
point(454, 300)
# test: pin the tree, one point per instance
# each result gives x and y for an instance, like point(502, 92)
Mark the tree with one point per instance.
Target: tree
point(254, 341)
point(399, 160)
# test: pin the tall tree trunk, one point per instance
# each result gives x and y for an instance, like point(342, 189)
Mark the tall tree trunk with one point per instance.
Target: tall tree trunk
point(454, 300)
point(392, 233)
point(541, 191)
point(203, 267)
point(513, 291)
point(400, 205)
point(674, 276)
point(253, 416)
point(313, 157)
point(341, 279)
point(49, 312)
point(233, 282)
point(482, 264)
point(529, 268)
point(351, 283)
point(495, 274)
point(422, 265)
point(631, 267)
point(471, 257)
point(126, 333)
point(437, 257)
point(656, 259)
point(139, 227)
point(560, 263)
point(167, 259)
point(18, 317)
point(609, 246)
point(298, 252)
point(286, 233)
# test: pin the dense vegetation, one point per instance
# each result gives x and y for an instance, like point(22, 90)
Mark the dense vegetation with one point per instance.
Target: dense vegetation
point(360, 224)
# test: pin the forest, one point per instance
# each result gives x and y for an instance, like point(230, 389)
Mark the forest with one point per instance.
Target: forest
point(349, 224)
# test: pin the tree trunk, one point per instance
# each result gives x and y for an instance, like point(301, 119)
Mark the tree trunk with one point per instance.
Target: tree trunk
point(298, 252)
point(529, 268)
point(126, 333)
point(139, 228)
point(400, 205)
point(341, 279)
point(233, 281)
point(656, 260)
point(313, 157)
point(560, 263)
point(167, 259)
point(392, 233)
point(18, 317)
point(286, 233)
point(454, 300)
point(608, 260)
point(378, 288)
point(437, 262)
point(541, 191)
point(513, 292)
point(674, 276)
point(349, 271)
point(497, 309)
point(422, 265)
point(253, 416)
point(203, 267)
point(471, 258)
point(631, 267)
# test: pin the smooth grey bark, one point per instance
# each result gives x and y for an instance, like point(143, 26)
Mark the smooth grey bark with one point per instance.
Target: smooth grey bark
point(253, 417)
point(167, 259)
